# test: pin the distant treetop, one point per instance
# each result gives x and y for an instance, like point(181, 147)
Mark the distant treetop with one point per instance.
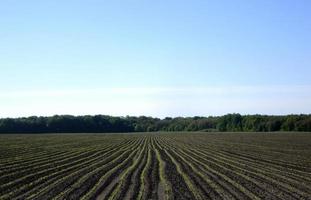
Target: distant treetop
point(110, 124)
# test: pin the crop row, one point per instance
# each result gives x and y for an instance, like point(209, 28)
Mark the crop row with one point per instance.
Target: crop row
point(155, 166)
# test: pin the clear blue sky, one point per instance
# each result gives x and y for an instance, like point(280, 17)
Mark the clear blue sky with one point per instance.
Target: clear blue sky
point(159, 58)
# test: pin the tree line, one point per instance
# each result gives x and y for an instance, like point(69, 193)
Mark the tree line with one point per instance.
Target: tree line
point(110, 124)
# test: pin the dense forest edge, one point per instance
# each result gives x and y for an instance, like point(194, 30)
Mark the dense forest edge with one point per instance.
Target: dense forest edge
point(110, 124)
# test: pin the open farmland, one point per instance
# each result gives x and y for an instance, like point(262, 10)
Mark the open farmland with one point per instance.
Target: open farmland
point(156, 166)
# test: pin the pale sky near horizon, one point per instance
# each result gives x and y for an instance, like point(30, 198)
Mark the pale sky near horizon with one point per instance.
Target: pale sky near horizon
point(155, 58)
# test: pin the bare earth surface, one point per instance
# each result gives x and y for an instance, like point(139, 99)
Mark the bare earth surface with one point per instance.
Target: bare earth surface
point(156, 166)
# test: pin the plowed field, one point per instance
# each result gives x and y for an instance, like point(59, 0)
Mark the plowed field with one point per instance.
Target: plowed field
point(156, 166)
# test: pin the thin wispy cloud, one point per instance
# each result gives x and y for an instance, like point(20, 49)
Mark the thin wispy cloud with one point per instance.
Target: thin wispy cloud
point(214, 90)
point(158, 102)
